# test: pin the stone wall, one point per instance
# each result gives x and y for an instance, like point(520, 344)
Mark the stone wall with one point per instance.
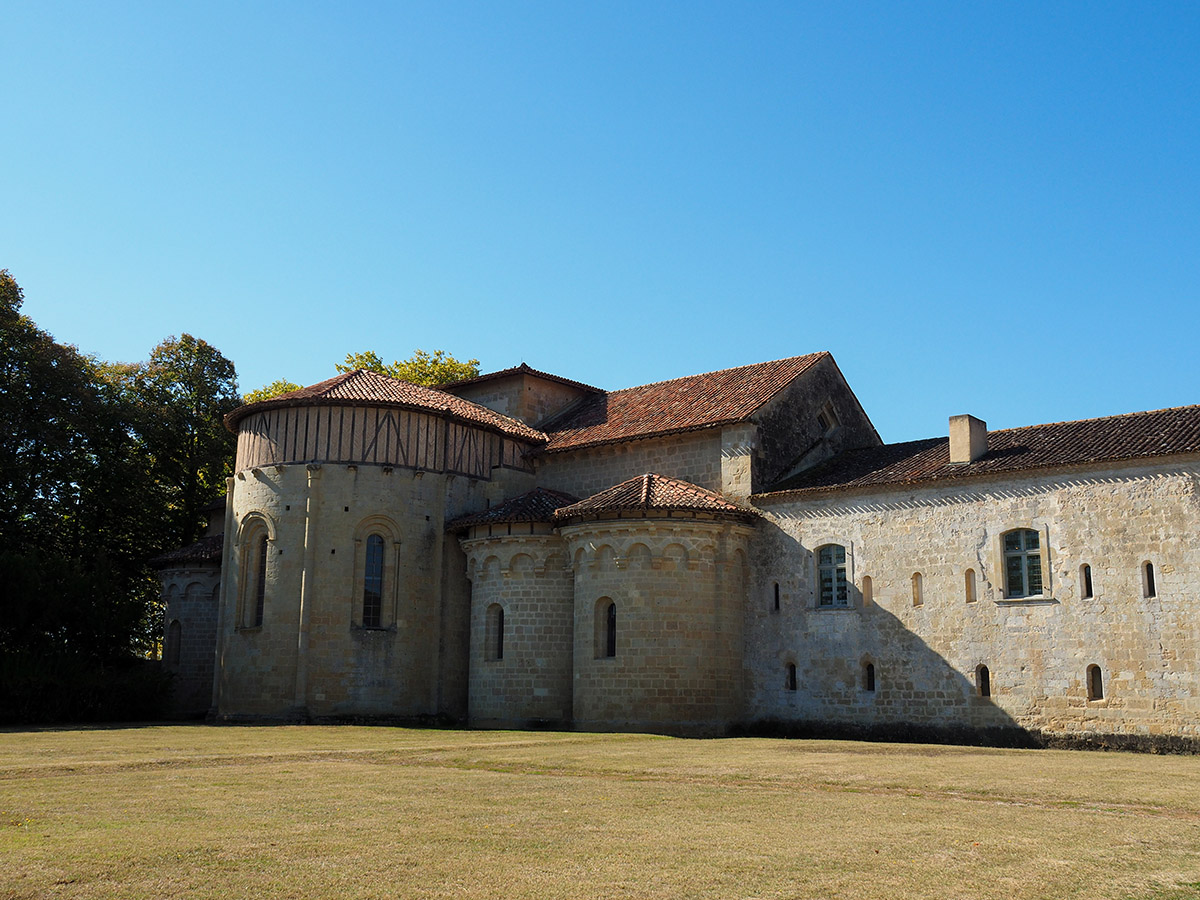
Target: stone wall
point(927, 649)
point(678, 588)
point(791, 437)
point(520, 666)
point(312, 655)
point(693, 457)
point(191, 602)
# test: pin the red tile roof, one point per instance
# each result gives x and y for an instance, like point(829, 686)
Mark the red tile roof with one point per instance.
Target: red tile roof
point(536, 506)
point(654, 492)
point(363, 387)
point(206, 551)
point(678, 405)
point(1143, 435)
point(522, 369)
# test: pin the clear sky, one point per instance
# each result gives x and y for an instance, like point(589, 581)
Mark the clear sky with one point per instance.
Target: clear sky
point(987, 207)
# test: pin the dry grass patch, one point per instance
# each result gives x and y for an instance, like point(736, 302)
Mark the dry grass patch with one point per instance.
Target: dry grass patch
point(378, 812)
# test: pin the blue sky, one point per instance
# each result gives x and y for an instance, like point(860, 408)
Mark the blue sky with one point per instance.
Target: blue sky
point(990, 208)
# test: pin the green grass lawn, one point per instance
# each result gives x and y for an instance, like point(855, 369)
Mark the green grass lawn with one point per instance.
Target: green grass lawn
point(347, 812)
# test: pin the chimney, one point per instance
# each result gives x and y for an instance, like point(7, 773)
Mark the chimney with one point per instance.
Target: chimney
point(968, 439)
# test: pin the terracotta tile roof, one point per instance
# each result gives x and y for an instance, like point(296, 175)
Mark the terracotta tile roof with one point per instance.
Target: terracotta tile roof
point(363, 387)
point(654, 492)
point(515, 370)
point(1131, 436)
point(669, 407)
point(206, 551)
point(536, 506)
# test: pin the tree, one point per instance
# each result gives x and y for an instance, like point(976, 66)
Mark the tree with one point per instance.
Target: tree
point(428, 369)
point(73, 528)
point(184, 392)
point(274, 389)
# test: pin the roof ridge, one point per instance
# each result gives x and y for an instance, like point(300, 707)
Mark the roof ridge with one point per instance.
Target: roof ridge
point(1125, 415)
point(1016, 428)
point(766, 362)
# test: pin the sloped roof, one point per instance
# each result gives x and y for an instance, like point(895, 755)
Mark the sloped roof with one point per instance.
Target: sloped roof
point(363, 387)
point(536, 506)
point(669, 407)
point(654, 492)
point(689, 403)
point(522, 369)
point(206, 551)
point(1140, 435)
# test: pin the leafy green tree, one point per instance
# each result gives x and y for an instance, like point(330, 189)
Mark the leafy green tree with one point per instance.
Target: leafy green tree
point(274, 389)
point(184, 392)
point(73, 484)
point(424, 368)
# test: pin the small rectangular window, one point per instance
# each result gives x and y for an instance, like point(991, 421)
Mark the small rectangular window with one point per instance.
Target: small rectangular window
point(1085, 582)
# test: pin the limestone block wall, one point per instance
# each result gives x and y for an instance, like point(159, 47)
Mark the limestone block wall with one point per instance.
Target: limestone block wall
point(791, 436)
point(191, 602)
point(522, 617)
point(678, 587)
point(521, 395)
point(926, 638)
point(314, 654)
point(693, 457)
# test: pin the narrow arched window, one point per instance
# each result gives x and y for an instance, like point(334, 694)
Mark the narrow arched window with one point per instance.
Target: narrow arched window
point(918, 589)
point(969, 586)
point(1022, 563)
point(372, 600)
point(983, 681)
point(776, 597)
point(869, 677)
point(831, 576)
point(605, 628)
point(260, 583)
point(1095, 683)
point(868, 590)
point(791, 676)
point(1085, 582)
point(1148, 587)
point(174, 635)
point(493, 639)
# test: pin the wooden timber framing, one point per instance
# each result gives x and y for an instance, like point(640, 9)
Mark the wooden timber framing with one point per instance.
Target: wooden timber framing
point(373, 435)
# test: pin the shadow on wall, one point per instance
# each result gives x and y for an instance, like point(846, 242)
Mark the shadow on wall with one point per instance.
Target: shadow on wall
point(860, 673)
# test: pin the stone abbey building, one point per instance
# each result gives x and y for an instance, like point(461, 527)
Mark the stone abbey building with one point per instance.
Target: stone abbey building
point(726, 550)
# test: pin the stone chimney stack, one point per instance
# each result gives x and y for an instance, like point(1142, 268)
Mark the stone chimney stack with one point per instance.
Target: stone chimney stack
point(968, 439)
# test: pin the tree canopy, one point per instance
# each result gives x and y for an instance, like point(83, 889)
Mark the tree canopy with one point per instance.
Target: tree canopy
point(102, 467)
point(429, 369)
point(274, 389)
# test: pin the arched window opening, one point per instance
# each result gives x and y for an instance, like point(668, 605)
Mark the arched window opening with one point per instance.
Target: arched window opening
point(174, 635)
point(1022, 563)
point(1148, 588)
point(869, 677)
point(493, 639)
point(983, 681)
point(260, 582)
point(969, 586)
point(918, 589)
point(776, 607)
point(791, 676)
point(868, 590)
point(605, 628)
point(1095, 683)
point(1085, 582)
point(831, 576)
point(372, 601)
